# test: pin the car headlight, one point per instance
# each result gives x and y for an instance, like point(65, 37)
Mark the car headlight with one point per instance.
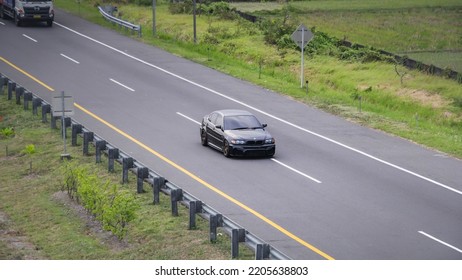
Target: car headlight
point(269, 141)
point(237, 141)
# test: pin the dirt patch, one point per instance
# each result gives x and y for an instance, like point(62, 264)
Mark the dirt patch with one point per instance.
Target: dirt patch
point(424, 97)
point(19, 246)
point(93, 227)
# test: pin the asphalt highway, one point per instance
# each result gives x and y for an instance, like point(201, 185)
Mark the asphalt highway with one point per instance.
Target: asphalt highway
point(334, 189)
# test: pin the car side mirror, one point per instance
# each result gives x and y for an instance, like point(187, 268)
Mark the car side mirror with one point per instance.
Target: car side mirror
point(218, 126)
point(264, 125)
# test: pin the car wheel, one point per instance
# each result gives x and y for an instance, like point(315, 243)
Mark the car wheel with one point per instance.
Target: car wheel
point(16, 20)
point(204, 140)
point(226, 150)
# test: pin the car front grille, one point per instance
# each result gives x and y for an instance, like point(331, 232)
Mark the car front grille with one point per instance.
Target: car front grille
point(36, 10)
point(258, 142)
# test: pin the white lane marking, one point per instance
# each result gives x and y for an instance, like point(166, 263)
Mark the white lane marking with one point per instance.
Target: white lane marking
point(186, 117)
point(2, 23)
point(440, 241)
point(122, 85)
point(296, 171)
point(30, 38)
point(267, 114)
point(73, 60)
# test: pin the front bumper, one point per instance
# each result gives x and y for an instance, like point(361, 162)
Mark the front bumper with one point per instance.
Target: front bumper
point(244, 150)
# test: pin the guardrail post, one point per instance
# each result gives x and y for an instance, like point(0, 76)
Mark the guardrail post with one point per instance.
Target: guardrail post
point(158, 182)
point(76, 129)
point(53, 121)
point(195, 206)
point(99, 145)
point(46, 108)
point(127, 163)
point(36, 102)
point(67, 123)
point(87, 138)
point(3, 82)
point(11, 87)
point(112, 155)
point(27, 98)
point(215, 222)
point(175, 196)
point(142, 173)
point(237, 235)
point(262, 252)
point(19, 91)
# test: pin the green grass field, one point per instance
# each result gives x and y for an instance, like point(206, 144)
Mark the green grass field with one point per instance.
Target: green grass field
point(395, 26)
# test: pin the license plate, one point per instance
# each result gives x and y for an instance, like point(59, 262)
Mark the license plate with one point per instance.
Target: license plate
point(36, 16)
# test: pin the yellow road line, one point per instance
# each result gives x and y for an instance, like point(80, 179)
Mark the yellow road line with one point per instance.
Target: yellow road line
point(27, 74)
point(180, 168)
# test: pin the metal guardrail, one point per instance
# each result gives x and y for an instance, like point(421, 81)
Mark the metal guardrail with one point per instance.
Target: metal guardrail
point(106, 12)
point(158, 183)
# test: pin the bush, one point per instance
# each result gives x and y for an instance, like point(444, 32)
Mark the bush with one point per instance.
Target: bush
point(7, 132)
point(114, 207)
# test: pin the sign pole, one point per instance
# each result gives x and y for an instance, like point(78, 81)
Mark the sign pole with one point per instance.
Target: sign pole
point(63, 126)
point(302, 58)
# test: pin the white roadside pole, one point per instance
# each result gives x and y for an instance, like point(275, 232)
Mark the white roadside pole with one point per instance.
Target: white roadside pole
point(301, 37)
point(63, 105)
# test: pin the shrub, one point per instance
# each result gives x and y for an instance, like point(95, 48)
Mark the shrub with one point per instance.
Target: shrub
point(7, 132)
point(114, 207)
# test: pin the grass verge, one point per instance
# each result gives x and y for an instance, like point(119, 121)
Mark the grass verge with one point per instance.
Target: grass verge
point(35, 213)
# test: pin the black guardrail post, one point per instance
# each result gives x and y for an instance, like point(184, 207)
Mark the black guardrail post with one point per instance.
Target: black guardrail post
point(67, 123)
point(112, 154)
point(127, 163)
point(11, 87)
point(175, 196)
point(36, 102)
point(19, 92)
point(87, 138)
point(46, 108)
point(3, 82)
point(237, 235)
point(76, 128)
point(158, 182)
point(53, 121)
point(195, 206)
point(27, 98)
point(99, 146)
point(215, 221)
point(262, 252)
point(142, 173)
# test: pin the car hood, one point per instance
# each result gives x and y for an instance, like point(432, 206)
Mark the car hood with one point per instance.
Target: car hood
point(258, 134)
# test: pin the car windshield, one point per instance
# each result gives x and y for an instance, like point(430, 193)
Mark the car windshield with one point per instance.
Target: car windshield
point(241, 122)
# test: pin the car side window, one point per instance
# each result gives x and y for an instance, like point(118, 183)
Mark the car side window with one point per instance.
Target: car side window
point(213, 117)
point(219, 120)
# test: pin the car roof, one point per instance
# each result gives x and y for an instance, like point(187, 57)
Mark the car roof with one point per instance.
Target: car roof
point(233, 112)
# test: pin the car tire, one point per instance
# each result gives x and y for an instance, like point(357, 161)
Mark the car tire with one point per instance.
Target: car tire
point(16, 20)
point(204, 140)
point(226, 150)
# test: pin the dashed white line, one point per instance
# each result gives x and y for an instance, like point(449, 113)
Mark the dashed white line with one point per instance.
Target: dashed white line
point(440, 241)
point(2, 23)
point(186, 117)
point(267, 114)
point(30, 38)
point(73, 60)
point(122, 85)
point(296, 171)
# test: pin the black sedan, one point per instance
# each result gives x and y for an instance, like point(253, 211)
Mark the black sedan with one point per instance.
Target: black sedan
point(236, 133)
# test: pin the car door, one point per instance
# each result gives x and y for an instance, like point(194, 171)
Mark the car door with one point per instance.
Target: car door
point(214, 134)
